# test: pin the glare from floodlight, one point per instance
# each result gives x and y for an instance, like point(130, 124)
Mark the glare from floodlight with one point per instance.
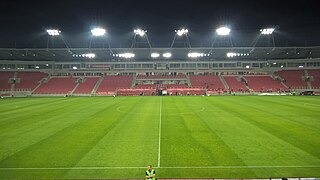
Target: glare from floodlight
point(155, 55)
point(88, 55)
point(140, 32)
point(74, 67)
point(232, 54)
point(267, 31)
point(98, 32)
point(247, 66)
point(167, 55)
point(181, 32)
point(195, 55)
point(125, 55)
point(223, 31)
point(53, 32)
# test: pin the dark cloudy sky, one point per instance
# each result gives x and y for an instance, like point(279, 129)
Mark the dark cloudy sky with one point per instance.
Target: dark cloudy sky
point(23, 22)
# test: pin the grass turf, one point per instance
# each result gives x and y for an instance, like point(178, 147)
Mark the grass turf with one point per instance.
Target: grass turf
point(200, 137)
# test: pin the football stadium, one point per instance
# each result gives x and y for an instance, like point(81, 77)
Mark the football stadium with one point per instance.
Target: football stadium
point(219, 111)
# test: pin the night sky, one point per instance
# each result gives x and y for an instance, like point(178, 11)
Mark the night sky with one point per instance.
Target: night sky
point(23, 23)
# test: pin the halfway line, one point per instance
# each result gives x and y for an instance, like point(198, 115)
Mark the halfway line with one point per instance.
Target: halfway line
point(159, 141)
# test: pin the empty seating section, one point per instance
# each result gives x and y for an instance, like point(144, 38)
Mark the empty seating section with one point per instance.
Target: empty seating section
point(145, 86)
point(4, 80)
point(87, 86)
point(264, 84)
point(293, 78)
point(207, 82)
point(179, 76)
point(57, 85)
point(235, 84)
point(315, 73)
point(28, 80)
point(110, 84)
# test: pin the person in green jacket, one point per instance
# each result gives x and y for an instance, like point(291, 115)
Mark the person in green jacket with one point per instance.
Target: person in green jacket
point(150, 173)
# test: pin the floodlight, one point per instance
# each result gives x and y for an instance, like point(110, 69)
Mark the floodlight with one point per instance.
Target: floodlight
point(181, 32)
point(167, 55)
point(37, 67)
point(267, 31)
point(247, 66)
point(125, 55)
point(223, 31)
point(88, 55)
point(98, 32)
point(155, 55)
point(140, 32)
point(195, 55)
point(53, 32)
point(232, 54)
point(300, 66)
point(74, 67)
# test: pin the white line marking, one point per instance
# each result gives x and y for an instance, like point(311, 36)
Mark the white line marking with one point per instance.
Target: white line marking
point(159, 142)
point(191, 167)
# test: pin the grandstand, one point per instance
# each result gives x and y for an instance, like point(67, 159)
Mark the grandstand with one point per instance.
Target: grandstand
point(194, 137)
point(60, 75)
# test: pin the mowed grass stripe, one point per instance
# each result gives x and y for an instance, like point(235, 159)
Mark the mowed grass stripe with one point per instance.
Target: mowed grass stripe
point(195, 144)
point(254, 145)
point(133, 142)
point(284, 127)
point(68, 145)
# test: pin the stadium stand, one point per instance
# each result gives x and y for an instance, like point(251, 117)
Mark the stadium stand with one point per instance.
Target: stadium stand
point(110, 84)
point(86, 86)
point(235, 84)
point(315, 74)
point(28, 80)
point(179, 76)
point(264, 84)
point(57, 85)
point(212, 83)
point(4, 80)
point(293, 78)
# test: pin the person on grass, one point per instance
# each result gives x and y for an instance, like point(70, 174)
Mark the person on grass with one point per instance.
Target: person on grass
point(150, 173)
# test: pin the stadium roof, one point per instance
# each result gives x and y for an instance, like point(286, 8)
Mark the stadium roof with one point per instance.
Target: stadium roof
point(144, 54)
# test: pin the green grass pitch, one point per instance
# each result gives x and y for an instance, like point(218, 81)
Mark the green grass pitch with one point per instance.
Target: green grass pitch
point(182, 137)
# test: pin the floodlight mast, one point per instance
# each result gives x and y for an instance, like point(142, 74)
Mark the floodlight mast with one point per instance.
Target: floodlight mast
point(265, 38)
point(180, 33)
point(99, 34)
point(222, 37)
point(143, 34)
point(52, 33)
